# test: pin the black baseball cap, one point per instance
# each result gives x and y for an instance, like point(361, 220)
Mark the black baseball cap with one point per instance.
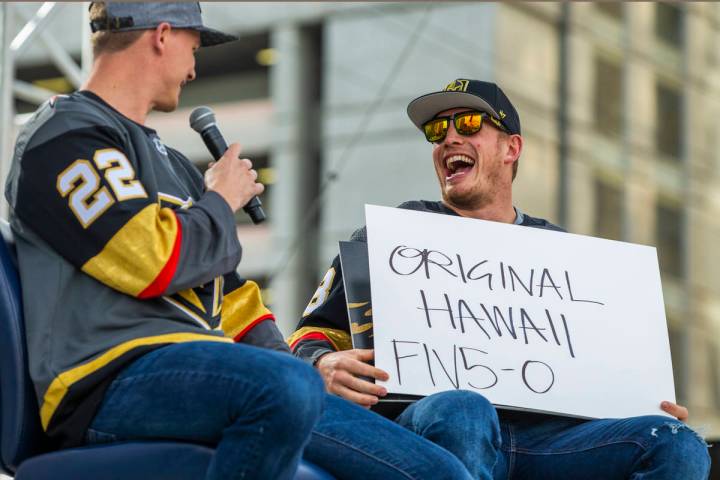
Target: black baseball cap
point(483, 96)
point(128, 16)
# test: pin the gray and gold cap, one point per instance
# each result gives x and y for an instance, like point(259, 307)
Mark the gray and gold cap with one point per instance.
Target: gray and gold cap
point(128, 16)
point(465, 93)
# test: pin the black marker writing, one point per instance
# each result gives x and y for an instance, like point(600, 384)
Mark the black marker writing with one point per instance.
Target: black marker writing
point(465, 317)
point(526, 373)
point(398, 358)
point(469, 369)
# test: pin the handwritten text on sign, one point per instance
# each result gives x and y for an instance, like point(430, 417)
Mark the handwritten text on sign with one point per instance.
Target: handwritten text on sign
point(530, 318)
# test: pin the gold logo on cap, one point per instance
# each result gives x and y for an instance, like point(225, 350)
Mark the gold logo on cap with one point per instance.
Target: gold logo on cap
point(502, 114)
point(457, 86)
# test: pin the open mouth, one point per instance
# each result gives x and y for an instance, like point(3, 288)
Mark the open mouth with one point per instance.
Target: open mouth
point(457, 165)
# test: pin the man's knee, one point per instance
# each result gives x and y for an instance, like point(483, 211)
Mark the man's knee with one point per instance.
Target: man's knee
point(294, 395)
point(677, 443)
point(461, 403)
point(297, 386)
point(454, 416)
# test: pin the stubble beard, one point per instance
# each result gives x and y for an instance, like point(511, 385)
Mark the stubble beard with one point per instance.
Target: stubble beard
point(483, 192)
point(471, 199)
point(479, 195)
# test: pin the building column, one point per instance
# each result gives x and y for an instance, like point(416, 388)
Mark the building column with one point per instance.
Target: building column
point(294, 155)
point(7, 110)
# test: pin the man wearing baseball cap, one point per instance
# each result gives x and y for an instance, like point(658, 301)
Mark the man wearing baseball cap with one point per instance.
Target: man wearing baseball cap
point(475, 132)
point(138, 326)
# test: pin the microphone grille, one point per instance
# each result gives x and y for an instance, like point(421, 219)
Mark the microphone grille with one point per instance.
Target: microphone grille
point(201, 118)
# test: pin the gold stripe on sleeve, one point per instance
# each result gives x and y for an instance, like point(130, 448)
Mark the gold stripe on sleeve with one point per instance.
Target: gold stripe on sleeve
point(339, 338)
point(241, 307)
point(137, 253)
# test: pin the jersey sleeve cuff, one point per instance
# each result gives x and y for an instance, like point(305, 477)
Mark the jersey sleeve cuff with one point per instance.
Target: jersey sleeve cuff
point(216, 203)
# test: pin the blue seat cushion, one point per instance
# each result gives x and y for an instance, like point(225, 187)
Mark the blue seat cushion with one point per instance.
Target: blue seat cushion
point(132, 461)
point(156, 460)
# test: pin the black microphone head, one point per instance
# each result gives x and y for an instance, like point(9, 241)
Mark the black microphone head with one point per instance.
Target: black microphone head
point(202, 118)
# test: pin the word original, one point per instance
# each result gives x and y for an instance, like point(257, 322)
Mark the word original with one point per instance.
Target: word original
point(534, 282)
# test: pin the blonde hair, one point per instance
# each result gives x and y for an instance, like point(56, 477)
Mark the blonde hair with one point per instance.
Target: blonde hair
point(107, 41)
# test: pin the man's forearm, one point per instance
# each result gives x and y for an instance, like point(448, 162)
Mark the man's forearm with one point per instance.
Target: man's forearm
point(266, 335)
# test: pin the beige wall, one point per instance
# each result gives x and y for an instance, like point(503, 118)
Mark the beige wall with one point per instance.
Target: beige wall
point(528, 70)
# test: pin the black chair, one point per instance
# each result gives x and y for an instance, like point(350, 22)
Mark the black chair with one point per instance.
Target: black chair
point(23, 447)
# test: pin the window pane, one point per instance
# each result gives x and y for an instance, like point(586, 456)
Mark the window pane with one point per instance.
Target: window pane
point(668, 23)
point(46, 76)
point(608, 97)
point(230, 72)
point(669, 113)
point(613, 9)
point(608, 211)
point(669, 233)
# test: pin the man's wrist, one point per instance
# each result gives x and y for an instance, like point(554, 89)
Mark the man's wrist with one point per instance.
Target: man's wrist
point(317, 354)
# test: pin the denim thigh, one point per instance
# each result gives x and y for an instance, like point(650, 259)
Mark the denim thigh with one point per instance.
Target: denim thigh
point(354, 443)
point(549, 447)
point(192, 391)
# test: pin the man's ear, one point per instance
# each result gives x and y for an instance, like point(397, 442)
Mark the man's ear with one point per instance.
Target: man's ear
point(160, 36)
point(514, 148)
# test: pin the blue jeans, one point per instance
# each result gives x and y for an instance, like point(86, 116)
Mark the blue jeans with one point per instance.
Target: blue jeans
point(520, 445)
point(353, 443)
point(259, 408)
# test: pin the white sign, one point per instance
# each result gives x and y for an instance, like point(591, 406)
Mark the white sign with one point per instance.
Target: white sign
point(530, 318)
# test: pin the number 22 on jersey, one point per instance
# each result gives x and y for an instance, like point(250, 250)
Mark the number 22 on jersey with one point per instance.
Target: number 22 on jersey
point(87, 198)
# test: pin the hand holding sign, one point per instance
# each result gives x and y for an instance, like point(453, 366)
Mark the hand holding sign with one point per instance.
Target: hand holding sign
point(340, 372)
point(677, 411)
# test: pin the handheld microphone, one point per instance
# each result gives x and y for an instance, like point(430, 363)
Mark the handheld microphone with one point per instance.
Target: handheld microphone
point(202, 120)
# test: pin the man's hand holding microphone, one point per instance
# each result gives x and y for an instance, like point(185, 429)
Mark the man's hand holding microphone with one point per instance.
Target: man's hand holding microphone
point(233, 178)
point(230, 176)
